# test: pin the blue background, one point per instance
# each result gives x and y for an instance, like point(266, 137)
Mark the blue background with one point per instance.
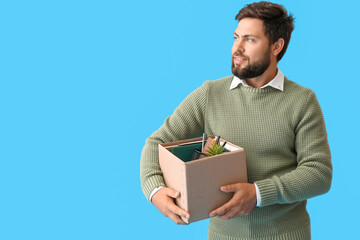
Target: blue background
point(84, 83)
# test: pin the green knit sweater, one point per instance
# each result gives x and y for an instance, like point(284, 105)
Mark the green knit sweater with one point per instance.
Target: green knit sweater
point(284, 137)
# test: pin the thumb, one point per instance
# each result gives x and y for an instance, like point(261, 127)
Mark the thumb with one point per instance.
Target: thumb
point(173, 193)
point(229, 188)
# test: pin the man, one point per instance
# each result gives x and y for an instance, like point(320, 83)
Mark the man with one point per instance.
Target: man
point(279, 124)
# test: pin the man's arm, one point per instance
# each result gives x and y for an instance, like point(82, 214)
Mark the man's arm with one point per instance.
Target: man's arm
point(187, 121)
point(312, 176)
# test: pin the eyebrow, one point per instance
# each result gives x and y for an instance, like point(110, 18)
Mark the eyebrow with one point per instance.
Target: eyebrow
point(246, 35)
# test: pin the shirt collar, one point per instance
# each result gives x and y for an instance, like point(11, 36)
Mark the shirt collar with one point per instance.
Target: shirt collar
point(277, 82)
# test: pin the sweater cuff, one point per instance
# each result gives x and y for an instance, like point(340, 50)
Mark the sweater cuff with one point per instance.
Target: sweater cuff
point(152, 183)
point(267, 191)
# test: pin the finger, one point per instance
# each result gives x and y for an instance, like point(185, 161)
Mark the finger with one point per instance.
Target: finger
point(179, 211)
point(237, 211)
point(232, 213)
point(172, 193)
point(176, 219)
point(221, 210)
point(229, 188)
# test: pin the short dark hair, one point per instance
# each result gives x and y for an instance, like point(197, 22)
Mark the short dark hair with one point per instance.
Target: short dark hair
point(277, 22)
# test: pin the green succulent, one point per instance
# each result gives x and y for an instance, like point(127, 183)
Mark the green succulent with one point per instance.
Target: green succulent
point(215, 150)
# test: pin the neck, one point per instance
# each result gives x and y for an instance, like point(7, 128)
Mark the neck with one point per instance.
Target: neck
point(263, 79)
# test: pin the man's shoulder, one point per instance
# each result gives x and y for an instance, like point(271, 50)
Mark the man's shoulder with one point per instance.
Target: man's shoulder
point(219, 83)
point(211, 87)
point(294, 87)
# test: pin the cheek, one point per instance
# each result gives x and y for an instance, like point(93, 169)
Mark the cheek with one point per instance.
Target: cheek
point(254, 54)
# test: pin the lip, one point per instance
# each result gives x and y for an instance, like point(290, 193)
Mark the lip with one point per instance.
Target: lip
point(238, 59)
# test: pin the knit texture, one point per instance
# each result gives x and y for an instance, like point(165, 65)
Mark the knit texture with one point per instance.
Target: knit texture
point(284, 137)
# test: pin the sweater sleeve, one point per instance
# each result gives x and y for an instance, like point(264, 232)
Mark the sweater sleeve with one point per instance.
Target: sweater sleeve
point(187, 121)
point(313, 174)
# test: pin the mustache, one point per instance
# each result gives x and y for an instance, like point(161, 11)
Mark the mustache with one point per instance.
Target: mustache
point(237, 54)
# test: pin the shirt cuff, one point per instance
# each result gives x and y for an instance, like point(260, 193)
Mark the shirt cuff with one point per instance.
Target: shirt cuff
point(154, 191)
point(258, 197)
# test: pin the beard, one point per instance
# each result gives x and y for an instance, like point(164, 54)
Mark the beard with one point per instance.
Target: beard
point(252, 70)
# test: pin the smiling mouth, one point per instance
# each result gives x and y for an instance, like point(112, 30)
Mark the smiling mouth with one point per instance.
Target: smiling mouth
point(238, 60)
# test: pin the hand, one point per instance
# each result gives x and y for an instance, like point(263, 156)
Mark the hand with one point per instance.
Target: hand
point(164, 202)
point(242, 203)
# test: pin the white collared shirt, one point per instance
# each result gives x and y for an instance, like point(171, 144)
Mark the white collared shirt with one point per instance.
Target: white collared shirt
point(277, 82)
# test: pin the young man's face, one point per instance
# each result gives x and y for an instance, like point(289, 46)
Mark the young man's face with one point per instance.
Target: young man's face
point(251, 52)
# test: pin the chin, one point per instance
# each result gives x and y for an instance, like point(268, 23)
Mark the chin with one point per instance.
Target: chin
point(237, 68)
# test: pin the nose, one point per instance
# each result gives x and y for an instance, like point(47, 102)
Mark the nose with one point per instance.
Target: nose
point(238, 46)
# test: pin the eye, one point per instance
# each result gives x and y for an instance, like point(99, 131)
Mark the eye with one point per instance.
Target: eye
point(250, 39)
point(236, 38)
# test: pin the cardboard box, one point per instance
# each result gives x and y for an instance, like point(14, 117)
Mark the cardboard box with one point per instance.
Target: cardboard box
point(199, 180)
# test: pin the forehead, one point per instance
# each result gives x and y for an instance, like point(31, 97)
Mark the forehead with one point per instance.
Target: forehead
point(250, 26)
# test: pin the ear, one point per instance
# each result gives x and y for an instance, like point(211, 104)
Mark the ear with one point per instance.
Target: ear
point(278, 46)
